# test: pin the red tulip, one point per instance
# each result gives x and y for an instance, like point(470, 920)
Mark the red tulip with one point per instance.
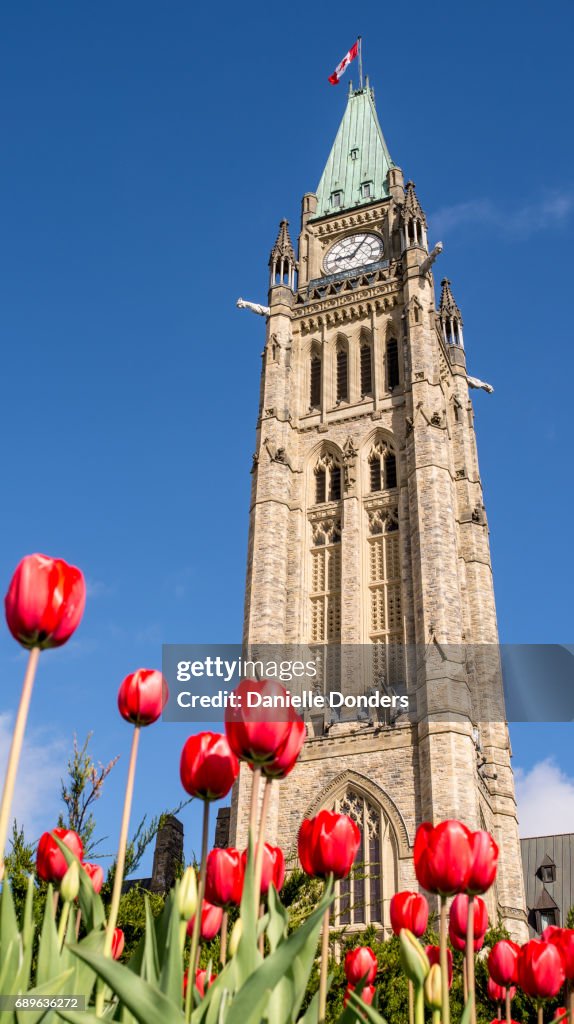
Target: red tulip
point(257, 733)
point(484, 853)
point(502, 962)
point(458, 943)
point(95, 874)
point(496, 1021)
point(208, 766)
point(224, 877)
point(286, 759)
point(328, 844)
point(559, 1011)
point(549, 931)
point(51, 864)
point(540, 969)
point(211, 918)
point(498, 992)
point(361, 965)
point(367, 994)
point(118, 943)
point(433, 953)
point(409, 910)
point(45, 601)
point(563, 939)
point(458, 919)
point(273, 872)
point(443, 857)
point(142, 696)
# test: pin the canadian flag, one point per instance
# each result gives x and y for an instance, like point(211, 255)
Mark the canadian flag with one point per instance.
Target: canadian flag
point(342, 67)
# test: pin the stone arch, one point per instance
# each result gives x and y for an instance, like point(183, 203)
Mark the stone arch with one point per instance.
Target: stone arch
point(371, 791)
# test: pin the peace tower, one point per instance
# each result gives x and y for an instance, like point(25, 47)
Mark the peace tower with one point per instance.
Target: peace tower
point(368, 530)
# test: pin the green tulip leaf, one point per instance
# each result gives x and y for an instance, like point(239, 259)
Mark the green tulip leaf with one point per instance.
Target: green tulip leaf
point(278, 924)
point(171, 978)
point(162, 928)
point(311, 1015)
point(248, 956)
point(147, 1003)
point(10, 941)
point(49, 961)
point(60, 983)
point(366, 1011)
point(467, 1012)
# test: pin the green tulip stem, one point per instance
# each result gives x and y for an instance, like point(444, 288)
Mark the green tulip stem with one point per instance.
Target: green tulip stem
point(55, 898)
point(63, 924)
point(254, 805)
point(78, 923)
point(261, 844)
point(411, 1002)
point(122, 844)
point(419, 1007)
point(508, 1008)
point(16, 750)
point(498, 1010)
point(570, 1004)
point(436, 1017)
point(540, 1014)
point(444, 963)
point(324, 967)
point(194, 951)
point(223, 940)
point(470, 956)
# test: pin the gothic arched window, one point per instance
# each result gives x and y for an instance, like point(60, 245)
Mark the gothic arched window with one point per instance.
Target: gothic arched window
point(325, 590)
point(327, 479)
point(360, 896)
point(342, 382)
point(366, 366)
point(382, 467)
point(315, 381)
point(386, 630)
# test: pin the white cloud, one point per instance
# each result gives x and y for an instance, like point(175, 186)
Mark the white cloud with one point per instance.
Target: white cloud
point(545, 796)
point(42, 765)
point(541, 213)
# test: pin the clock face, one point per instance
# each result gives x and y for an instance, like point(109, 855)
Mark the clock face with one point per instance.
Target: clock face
point(353, 251)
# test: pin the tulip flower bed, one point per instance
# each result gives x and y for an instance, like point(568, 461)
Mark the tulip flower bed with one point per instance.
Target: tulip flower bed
point(266, 967)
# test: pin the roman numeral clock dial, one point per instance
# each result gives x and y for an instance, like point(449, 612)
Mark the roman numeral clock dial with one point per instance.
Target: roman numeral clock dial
point(352, 252)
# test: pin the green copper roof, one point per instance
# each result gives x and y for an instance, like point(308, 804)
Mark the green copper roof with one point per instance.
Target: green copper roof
point(359, 156)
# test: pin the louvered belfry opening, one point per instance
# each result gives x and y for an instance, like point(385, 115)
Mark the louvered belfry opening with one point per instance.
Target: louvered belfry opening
point(366, 369)
point(315, 386)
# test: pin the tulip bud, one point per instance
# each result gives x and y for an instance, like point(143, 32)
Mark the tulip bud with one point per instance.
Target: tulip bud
point(70, 885)
point(235, 937)
point(415, 962)
point(433, 988)
point(187, 894)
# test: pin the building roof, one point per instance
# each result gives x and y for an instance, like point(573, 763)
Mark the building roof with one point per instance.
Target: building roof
point(359, 155)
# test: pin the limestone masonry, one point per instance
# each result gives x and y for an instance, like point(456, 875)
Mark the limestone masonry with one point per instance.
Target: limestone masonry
point(367, 526)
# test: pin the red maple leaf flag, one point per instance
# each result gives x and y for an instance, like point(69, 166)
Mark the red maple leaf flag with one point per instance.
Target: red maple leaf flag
point(342, 67)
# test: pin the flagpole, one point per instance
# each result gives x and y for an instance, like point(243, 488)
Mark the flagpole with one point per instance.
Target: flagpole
point(360, 62)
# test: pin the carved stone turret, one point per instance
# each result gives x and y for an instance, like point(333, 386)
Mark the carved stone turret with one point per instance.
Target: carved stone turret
point(282, 262)
point(414, 220)
point(450, 316)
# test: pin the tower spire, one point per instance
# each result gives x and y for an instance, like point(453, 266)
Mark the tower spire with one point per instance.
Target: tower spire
point(450, 316)
point(282, 262)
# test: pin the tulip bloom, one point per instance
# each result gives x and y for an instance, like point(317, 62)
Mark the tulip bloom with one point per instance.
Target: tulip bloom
point(142, 696)
point(286, 759)
point(367, 994)
point(409, 910)
point(211, 918)
point(498, 992)
point(208, 766)
point(457, 942)
point(502, 962)
point(433, 954)
point(361, 965)
point(257, 733)
point(540, 969)
point(563, 939)
point(273, 872)
point(459, 919)
point(51, 865)
point(118, 943)
point(484, 854)
point(328, 844)
point(443, 857)
point(200, 981)
point(95, 874)
point(224, 877)
point(45, 601)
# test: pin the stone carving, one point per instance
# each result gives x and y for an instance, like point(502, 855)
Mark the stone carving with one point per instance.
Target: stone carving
point(255, 462)
point(277, 454)
point(255, 307)
point(474, 382)
point(428, 262)
point(350, 453)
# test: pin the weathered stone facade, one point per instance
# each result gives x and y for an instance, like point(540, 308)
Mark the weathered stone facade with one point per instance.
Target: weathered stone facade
point(363, 375)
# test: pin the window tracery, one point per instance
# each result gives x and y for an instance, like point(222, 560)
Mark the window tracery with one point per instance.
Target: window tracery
point(360, 896)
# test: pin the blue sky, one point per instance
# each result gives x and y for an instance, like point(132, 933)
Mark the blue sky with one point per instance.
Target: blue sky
point(149, 151)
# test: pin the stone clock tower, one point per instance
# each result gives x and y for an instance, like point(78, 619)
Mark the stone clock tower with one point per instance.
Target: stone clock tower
point(368, 529)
